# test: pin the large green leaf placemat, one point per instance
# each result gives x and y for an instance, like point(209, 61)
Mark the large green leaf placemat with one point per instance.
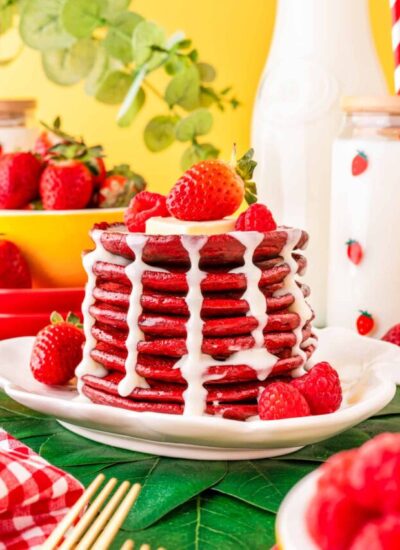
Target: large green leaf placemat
point(188, 504)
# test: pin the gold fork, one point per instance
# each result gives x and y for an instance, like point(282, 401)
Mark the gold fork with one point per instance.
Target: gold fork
point(97, 528)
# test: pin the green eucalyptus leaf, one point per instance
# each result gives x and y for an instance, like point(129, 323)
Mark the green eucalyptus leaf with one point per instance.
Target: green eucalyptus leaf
point(146, 37)
point(78, 451)
point(198, 123)
point(113, 8)
point(159, 496)
point(174, 64)
point(197, 152)
point(40, 25)
point(99, 70)
point(128, 117)
point(69, 66)
point(80, 17)
point(118, 42)
point(160, 132)
point(113, 87)
point(209, 521)
point(184, 89)
point(206, 71)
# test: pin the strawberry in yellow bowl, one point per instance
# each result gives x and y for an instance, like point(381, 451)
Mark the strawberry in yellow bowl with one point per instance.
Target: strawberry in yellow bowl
point(50, 198)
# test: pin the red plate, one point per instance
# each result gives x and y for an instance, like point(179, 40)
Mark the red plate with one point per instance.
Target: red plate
point(23, 324)
point(40, 300)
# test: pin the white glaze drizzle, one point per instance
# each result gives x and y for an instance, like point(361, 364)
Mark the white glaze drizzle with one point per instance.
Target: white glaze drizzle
point(300, 305)
point(193, 365)
point(99, 254)
point(134, 272)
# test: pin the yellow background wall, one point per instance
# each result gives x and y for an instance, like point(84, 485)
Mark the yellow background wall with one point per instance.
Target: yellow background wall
point(232, 34)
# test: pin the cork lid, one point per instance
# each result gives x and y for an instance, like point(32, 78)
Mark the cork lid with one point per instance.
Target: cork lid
point(18, 106)
point(371, 104)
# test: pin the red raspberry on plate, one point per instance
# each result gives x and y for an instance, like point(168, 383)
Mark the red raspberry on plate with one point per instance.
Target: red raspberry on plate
point(143, 206)
point(333, 520)
point(321, 388)
point(281, 400)
point(375, 475)
point(379, 534)
point(393, 335)
point(57, 350)
point(256, 218)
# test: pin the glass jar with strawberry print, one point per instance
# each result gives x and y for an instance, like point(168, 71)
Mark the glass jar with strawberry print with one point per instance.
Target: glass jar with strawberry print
point(364, 256)
point(17, 130)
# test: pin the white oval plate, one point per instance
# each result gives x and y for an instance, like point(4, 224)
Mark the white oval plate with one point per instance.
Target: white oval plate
point(368, 370)
point(291, 526)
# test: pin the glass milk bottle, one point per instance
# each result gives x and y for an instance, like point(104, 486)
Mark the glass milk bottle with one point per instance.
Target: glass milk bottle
point(364, 264)
point(320, 50)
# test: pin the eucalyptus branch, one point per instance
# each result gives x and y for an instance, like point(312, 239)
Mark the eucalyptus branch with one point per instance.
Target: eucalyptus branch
point(114, 49)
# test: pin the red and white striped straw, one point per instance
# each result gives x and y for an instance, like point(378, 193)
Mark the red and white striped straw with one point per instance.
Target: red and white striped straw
point(395, 7)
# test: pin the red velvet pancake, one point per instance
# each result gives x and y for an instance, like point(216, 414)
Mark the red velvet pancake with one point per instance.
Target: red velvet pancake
point(171, 326)
point(173, 393)
point(215, 347)
point(218, 250)
point(226, 410)
point(175, 282)
point(116, 294)
point(162, 369)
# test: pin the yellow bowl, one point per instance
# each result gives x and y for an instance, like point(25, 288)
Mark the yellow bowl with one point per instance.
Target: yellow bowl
point(52, 241)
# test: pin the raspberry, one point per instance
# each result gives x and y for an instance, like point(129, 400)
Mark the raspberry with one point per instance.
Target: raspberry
point(333, 520)
point(143, 206)
point(321, 388)
point(281, 400)
point(379, 534)
point(375, 475)
point(336, 470)
point(256, 218)
point(393, 335)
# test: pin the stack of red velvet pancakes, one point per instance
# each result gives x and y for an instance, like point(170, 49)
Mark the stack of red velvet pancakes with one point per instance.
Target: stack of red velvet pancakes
point(170, 319)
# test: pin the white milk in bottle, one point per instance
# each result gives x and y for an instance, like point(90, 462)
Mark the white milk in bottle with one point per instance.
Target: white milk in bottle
point(364, 264)
point(321, 49)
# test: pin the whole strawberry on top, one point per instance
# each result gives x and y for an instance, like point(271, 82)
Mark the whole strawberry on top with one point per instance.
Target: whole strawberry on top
point(57, 350)
point(19, 179)
point(66, 182)
point(14, 270)
point(213, 189)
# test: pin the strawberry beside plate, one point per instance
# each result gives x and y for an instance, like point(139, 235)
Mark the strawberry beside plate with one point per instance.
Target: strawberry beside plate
point(367, 369)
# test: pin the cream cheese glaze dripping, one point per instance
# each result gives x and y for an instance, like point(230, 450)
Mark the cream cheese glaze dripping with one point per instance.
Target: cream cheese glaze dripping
point(300, 305)
point(99, 254)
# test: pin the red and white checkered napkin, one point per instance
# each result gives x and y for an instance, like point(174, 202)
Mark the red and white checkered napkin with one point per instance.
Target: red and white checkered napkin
point(34, 495)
